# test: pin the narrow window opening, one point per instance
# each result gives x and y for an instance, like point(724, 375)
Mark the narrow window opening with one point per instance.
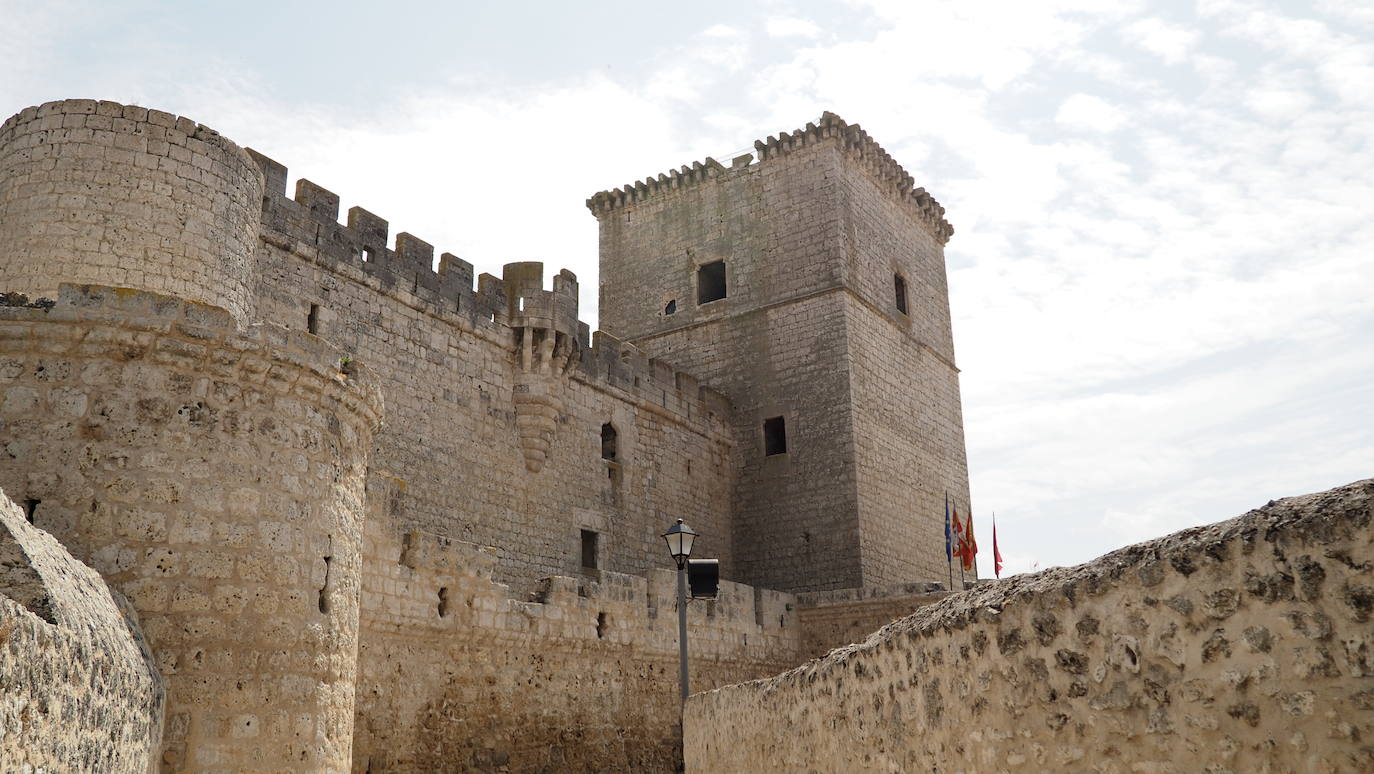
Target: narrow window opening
point(589, 540)
point(520, 303)
point(369, 255)
point(608, 441)
point(711, 282)
point(31, 508)
point(671, 308)
point(312, 320)
point(324, 590)
point(774, 436)
point(443, 601)
point(600, 625)
point(899, 285)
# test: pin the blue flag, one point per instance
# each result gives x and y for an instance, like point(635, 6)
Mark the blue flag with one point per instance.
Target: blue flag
point(949, 539)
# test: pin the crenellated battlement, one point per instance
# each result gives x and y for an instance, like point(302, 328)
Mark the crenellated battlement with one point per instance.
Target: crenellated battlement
point(624, 366)
point(308, 223)
point(885, 169)
point(310, 220)
point(672, 180)
point(426, 581)
point(852, 138)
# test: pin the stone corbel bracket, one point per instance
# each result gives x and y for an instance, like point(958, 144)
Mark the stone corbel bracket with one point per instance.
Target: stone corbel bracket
point(544, 327)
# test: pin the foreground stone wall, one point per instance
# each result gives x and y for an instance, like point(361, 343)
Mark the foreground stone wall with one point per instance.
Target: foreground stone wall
point(1245, 646)
point(457, 675)
point(78, 688)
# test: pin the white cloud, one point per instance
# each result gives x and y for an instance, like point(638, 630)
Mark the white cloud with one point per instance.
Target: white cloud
point(1170, 42)
point(1087, 112)
point(791, 27)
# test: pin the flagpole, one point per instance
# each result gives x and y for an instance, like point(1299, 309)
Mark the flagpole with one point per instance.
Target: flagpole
point(949, 553)
point(963, 530)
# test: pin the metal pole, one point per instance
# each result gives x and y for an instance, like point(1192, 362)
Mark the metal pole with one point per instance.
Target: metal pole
point(682, 626)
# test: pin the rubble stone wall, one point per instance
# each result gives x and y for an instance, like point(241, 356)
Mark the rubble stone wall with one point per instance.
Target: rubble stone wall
point(78, 688)
point(1244, 646)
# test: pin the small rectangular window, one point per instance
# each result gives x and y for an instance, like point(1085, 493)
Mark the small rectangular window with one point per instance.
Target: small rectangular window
point(588, 549)
point(774, 436)
point(899, 285)
point(312, 320)
point(608, 441)
point(711, 282)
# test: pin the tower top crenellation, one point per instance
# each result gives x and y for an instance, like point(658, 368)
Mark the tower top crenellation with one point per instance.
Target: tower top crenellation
point(852, 139)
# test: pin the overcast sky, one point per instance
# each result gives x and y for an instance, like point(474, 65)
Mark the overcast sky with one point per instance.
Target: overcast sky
point(1162, 281)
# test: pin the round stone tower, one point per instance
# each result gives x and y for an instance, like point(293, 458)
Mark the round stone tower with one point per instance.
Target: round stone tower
point(109, 194)
point(215, 477)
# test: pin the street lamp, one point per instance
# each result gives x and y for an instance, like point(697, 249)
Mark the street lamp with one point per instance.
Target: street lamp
point(680, 537)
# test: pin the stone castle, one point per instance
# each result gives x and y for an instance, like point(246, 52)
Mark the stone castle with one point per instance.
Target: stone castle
point(373, 517)
point(281, 496)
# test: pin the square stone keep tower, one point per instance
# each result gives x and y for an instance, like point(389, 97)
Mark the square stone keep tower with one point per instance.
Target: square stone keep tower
point(809, 286)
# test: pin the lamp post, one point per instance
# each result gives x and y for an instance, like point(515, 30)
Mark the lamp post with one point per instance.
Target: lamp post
point(680, 537)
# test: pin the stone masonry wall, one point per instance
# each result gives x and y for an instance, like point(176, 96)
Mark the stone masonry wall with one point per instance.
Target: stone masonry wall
point(78, 688)
point(457, 675)
point(812, 235)
point(834, 619)
point(108, 194)
point(908, 416)
point(215, 477)
point(449, 360)
point(1245, 646)
point(775, 344)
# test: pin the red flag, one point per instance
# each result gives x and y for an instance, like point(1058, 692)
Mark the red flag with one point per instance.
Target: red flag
point(971, 545)
point(960, 539)
point(996, 554)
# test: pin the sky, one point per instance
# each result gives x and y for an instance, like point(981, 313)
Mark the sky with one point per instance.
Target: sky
point(1162, 276)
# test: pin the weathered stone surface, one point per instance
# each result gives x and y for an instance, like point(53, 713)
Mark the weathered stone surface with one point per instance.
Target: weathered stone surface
point(79, 691)
point(214, 477)
point(456, 675)
point(1218, 664)
point(138, 201)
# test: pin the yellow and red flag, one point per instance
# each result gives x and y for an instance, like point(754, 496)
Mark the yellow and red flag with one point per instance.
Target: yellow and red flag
point(970, 544)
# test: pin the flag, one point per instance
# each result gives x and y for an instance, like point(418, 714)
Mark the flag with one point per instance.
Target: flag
point(960, 539)
point(970, 544)
point(996, 554)
point(949, 540)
